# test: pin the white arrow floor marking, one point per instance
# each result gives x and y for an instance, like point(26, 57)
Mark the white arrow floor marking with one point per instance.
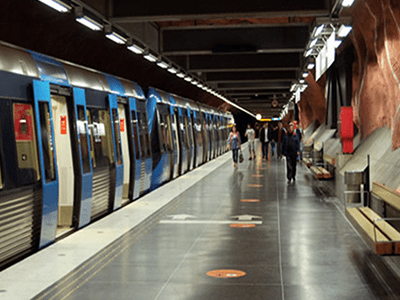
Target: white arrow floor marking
point(208, 222)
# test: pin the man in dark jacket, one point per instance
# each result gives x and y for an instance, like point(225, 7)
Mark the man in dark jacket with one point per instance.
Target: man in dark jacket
point(291, 148)
point(265, 137)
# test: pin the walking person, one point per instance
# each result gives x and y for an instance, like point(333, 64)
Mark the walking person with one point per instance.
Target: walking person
point(291, 149)
point(274, 137)
point(299, 132)
point(264, 138)
point(281, 132)
point(234, 144)
point(250, 134)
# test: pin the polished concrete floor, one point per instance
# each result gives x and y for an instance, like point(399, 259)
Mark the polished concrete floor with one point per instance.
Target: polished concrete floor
point(290, 241)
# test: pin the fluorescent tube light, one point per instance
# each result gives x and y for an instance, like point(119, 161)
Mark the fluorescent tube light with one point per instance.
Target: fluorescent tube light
point(162, 64)
point(136, 49)
point(180, 74)
point(150, 57)
point(313, 42)
point(302, 81)
point(90, 23)
point(57, 5)
point(116, 38)
point(319, 30)
point(311, 66)
point(309, 52)
point(344, 30)
point(188, 79)
point(194, 82)
point(338, 43)
point(347, 3)
point(172, 70)
point(305, 74)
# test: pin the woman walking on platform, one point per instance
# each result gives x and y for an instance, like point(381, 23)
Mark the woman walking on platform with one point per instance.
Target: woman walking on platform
point(234, 144)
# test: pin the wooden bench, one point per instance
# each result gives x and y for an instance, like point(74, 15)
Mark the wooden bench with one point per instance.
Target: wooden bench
point(320, 172)
point(307, 161)
point(383, 237)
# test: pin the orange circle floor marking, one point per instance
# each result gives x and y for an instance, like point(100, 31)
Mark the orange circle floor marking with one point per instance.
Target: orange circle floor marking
point(226, 273)
point(255, 185)
point(249, 200)
point(242, 225)
point(257, 175)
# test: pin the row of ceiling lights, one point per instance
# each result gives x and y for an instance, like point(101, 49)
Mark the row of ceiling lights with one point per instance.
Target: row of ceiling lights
point(318, 35)
point(96, 23)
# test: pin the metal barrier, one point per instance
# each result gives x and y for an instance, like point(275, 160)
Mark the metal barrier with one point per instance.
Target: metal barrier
point(358, 186)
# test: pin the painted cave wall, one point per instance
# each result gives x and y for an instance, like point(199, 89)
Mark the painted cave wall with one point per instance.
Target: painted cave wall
point(376, 71)
point(376, 68)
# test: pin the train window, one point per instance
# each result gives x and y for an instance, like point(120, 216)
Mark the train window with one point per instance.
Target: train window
point(162, 133)
point(146, 135)
point(25, 137)
point(168, 131)
point(117, 136)
point(135, 133)
point(82, 131)
point(101, 137)
point(91, 138)
point(47, 142)
point(1, 177)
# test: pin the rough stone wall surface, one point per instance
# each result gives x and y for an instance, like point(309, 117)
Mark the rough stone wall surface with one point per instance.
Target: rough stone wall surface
point(312, 106)
point(376, 69)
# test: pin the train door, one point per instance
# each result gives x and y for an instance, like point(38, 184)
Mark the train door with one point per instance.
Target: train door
point(189, 134)
point(102, 154)
point(48, 166)
point(205, 137)
point(135, 170)
point(178, 146)
point(83, 173)
point(66, 174)
point(123, 122)
point(116, 142)
point(145, 148)
point(193, 120)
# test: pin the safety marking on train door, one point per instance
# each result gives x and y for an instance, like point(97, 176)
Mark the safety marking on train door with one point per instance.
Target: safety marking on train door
point(226, 273)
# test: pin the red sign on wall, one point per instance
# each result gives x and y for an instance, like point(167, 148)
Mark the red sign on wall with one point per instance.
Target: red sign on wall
point(347, 129)
point(63, 124)
point(122, 124)
point(23, 124)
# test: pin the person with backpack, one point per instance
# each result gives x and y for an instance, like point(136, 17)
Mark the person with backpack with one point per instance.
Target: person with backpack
point(234, 145)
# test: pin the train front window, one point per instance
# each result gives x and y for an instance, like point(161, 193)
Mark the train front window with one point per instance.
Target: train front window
point(82, 131)
point(47, 142)
point(117, 136)
point(25, 138)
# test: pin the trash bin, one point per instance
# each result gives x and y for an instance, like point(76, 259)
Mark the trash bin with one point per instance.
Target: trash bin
point(353, 181)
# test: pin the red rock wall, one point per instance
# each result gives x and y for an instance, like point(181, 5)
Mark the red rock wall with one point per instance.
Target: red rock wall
point(312, 106)
point(376, 69)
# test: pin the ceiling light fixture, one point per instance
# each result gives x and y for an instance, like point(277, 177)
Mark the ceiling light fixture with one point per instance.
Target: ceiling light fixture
point(150, 57)
point(57, 5)
point(136, 49)
point(319, 30)
point(311, 66)
point(89, 22)
point(347, 3)
point(313, 42)
point(162, 64)
point(344, 30)
point(338, 43)
point(116, 38)
point(172, 70)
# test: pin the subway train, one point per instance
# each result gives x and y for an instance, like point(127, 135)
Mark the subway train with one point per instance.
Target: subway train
point(77, 144)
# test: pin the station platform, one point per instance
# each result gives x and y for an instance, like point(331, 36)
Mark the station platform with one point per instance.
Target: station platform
point(215, 233)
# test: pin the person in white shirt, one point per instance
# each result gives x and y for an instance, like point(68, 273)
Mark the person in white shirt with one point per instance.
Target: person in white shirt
point(250, 134)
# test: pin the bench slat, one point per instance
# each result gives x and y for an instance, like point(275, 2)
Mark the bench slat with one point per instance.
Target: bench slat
point(387, 194)
point(382, 244)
